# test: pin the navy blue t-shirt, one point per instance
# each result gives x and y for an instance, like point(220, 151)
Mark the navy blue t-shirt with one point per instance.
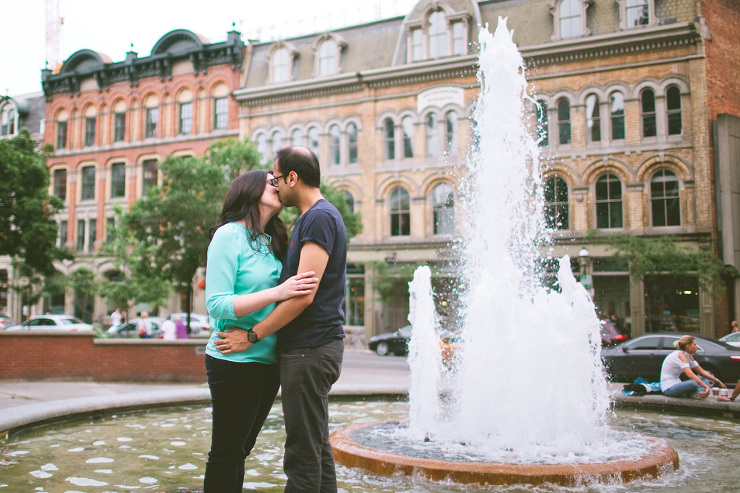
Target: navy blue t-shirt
point(323, 319)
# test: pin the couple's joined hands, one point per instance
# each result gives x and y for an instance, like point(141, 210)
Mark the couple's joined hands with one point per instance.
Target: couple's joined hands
point(235, 340)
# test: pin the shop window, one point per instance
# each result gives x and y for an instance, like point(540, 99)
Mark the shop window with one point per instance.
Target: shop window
point(556, 203)
point(664, 198)
point(608, 202)
point(400, 212)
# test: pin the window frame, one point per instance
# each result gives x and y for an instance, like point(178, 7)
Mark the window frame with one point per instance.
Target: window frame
point(389, 139)
point(60, 191)
point(400, 218)
point(87, 180)
point(669, 203)
point(119, 126)
point(352, 136)
point(673, 112)
point(624, 7)
point(560, 207)
point(62, 127)
point(117, 183)
point(564, 124)
point(556, 11)
point(609, 201)
point(431, 135)
point(220, 113)
point(445, 209)
point(593, 119)
point(617, 117)
point(90, 124)
point(185, 118)
point(648, 115)
point(151, 122)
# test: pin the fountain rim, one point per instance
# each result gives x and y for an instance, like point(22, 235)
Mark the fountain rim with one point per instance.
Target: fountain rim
point(661, 460)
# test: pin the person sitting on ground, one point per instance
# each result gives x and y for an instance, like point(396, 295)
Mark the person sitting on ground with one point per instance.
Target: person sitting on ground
point(681, 362)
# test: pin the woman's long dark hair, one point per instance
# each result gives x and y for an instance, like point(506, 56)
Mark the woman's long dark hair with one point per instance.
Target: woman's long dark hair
point(242, 202)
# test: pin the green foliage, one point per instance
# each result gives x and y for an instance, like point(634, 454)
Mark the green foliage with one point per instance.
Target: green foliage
point(27, 226)
point(665, 256)
point(352, 220)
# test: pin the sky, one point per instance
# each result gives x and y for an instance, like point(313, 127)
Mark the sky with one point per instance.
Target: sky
point(98, 26)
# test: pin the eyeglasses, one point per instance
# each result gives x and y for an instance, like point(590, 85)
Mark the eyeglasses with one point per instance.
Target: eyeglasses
point(274, 181)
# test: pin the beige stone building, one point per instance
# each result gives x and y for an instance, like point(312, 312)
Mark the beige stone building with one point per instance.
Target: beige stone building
point(626, 91)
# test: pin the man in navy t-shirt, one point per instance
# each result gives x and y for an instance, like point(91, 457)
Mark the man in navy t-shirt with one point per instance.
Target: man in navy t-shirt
point(310, 337)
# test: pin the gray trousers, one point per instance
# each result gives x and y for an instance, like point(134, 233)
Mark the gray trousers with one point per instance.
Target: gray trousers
point(306, 376)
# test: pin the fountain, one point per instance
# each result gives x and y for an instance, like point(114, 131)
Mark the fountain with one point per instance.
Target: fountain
point(527, 400)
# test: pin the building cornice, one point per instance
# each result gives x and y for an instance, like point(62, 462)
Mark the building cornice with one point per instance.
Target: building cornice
point(620, 43)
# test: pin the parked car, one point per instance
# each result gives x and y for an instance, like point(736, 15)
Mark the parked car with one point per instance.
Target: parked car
point(610, 334)
point(52, 322)
point(392, 343)
point(733, 339)
point(6, 321)
point(643, 357)
point(199, 324)
point(129, 329)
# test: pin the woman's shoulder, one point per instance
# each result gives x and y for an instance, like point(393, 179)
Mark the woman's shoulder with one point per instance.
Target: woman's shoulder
point(230, 229)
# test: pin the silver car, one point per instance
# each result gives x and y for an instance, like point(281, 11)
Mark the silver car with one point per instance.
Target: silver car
point(67, 323)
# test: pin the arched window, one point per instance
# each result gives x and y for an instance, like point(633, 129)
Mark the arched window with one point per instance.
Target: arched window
point(281, 65)
point(593, 118)
point(437, 34)
point(313, 140)
point(443, 209)
point(563, 121)
point(616, 110)
point(407, 126)
point(608, 202)
point(296, 137)
point(543, 132)
point(664, 198)
point(673, 105)
point(335, 154)
point(262, 147)
point(400, 212)
point(556, 203)
point(637, 12)
point(8, 121)
point(389, 139)
point(277, 142)
point(432, 135)
point(352, 143)
point(328, 57)
point(451, 142)
point(350, 199)
point(647, 113)
point(570, 19)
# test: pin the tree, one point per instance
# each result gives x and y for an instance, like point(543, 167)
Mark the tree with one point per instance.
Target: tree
point(86, 286)
point(665, 256)
point(27, 226)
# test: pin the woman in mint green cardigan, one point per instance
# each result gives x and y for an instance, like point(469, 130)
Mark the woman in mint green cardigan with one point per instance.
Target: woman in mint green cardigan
point(244, 265)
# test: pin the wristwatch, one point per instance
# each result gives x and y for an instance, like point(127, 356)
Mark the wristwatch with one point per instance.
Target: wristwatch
point(252, 337)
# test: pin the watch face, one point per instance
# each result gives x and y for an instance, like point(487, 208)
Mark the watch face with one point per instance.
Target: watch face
point(252, 337)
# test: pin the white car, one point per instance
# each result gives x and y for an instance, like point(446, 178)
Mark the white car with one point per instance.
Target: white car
point(199, 324)
point(53, 322)
point(733, 339)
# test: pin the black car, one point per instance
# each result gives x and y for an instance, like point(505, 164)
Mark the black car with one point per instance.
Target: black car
point(643, 357)
point(392, 343)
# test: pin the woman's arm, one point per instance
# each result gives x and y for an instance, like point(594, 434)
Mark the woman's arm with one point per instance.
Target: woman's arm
point(298, 285)
point(690, 373)
point(705, 373)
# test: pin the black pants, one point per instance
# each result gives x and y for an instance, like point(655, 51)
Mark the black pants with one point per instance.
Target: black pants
point(241, 397)
point(306, 376)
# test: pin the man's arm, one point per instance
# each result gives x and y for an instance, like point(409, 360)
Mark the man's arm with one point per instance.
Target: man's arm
point(313, 258)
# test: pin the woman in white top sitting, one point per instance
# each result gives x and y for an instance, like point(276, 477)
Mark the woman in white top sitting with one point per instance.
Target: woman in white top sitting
point(682, 361)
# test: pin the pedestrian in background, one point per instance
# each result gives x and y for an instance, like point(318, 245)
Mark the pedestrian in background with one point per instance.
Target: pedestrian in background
point(181, 330)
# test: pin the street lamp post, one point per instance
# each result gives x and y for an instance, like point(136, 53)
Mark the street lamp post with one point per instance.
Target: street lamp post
point(585, 278)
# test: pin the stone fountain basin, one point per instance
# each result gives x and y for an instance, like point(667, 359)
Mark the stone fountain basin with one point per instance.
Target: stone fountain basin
point(661, 459)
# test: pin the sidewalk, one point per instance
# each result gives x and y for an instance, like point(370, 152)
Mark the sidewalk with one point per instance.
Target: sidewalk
point(24, 404)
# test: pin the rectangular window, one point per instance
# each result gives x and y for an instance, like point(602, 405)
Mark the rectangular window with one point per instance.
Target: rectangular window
point(458, 43)
point(118, 180)
point(91, 237)
point(62, 234)
point(90, 131)
point(152, 117)
point(221, 113)
point(80, 235)
point(186, 118)
point(88, 183)
point(418, 46)
point(61, 135)
point(119, 127)
point(60, 183)
point(150, 174)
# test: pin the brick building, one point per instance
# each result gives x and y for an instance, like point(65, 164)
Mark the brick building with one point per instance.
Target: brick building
point(111, 123)
point(631, 90)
